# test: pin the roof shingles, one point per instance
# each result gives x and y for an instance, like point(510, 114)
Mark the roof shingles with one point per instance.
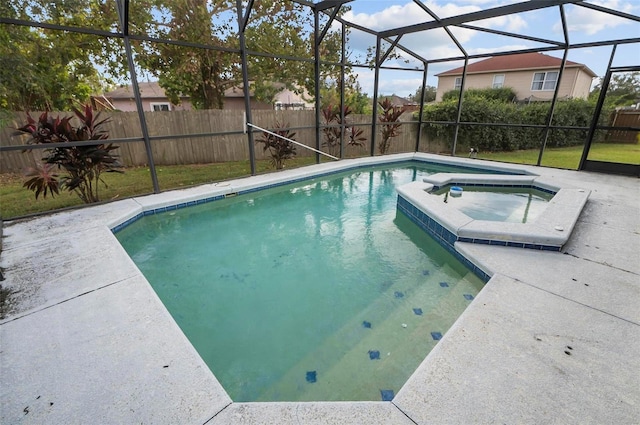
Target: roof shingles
point(515, 62)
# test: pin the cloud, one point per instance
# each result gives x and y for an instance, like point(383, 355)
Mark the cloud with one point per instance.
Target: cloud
point(430, 44)
point(399, 87)
point(504, 48)
point(515, 23)
point(590, 22)
point(437, 44)
point(391, 17)
point(403, 15)
point(389, 85)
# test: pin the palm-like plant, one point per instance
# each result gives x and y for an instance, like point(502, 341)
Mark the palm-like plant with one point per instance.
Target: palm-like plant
point(279, 148)
point(390, 119)
point(332, 135)
point(83, 164)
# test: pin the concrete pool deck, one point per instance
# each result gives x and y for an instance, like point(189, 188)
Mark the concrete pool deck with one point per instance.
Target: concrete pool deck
point(552, 337)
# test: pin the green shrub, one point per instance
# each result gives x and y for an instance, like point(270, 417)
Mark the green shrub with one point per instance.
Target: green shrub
point(504, 94)
point(488, 138)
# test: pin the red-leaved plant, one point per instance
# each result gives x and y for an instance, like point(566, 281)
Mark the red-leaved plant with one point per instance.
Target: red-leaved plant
point(390, 119)
point(83, 164)
point(279, 148)
point(331, 116)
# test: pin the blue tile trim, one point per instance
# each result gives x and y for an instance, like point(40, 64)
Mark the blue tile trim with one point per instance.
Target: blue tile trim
point(518, 186)
point(447, 239)
point(126, 223)
point(159, 210)
point(409, 162)
point(441, 234)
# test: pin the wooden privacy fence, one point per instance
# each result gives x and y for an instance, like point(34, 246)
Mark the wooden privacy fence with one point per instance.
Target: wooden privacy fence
point(624, 118)
point(179, 144)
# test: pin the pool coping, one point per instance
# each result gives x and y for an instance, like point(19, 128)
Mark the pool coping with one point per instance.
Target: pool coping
point(172, 200)
point(518, 325)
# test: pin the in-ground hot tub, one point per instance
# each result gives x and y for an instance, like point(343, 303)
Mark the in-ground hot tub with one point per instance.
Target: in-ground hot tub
point(549, 231)
point(506, 204)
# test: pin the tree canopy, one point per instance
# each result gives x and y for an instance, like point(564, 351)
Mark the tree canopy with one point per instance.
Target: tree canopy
point(43, 69)
point(624, 89)
point(55, 68)
point(429, 94)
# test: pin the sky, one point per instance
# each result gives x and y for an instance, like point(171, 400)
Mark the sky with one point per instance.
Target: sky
point(584, 25)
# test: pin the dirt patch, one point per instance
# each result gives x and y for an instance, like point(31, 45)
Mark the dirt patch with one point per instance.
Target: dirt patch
point(11, 178)
point(5, 294)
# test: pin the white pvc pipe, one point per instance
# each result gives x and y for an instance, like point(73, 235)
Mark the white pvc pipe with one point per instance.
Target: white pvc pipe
point(292, 141)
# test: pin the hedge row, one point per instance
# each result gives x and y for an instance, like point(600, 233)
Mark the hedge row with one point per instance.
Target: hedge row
point(573, 113)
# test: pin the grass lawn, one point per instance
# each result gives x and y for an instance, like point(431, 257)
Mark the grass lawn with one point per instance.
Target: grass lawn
point(16, 201)
point(569, 158)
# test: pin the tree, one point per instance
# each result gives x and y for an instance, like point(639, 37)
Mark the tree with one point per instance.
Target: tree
point(201, 74)
point(357, 101)
point(429, 94)
point(624, 89)
point(43, 69)
point(54, 67)
point(275, 28)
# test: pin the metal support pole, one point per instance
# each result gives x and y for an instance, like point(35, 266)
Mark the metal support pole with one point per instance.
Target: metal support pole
point(343, 58)
point(316, 63)
point(459, 114)
point(123, 15)
point(242, 24)
point(376, 82)
point(596, 113)
point(424, 87)
point(557, 89)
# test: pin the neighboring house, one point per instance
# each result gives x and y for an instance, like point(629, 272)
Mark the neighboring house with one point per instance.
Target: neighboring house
point(285, 99)
point(396, 100)
point(154, 99)
point(288, 99)
point(152, 95)
point(533, 76)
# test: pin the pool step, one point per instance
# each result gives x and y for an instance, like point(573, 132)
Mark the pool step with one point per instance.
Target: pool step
point(372, 359)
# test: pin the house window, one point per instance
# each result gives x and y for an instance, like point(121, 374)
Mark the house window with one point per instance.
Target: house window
point(458, 83)
point(498, 81)
point(160, 106)
point(544, 81)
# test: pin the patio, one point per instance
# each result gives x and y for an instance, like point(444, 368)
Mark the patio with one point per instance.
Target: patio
point(552, 338)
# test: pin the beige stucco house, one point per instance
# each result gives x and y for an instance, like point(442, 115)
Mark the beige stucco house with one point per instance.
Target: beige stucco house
point(533, 76)
point(154, 99)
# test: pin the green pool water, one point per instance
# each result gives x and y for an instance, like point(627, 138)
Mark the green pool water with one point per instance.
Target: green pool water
point(316, 291)
point(506, 204)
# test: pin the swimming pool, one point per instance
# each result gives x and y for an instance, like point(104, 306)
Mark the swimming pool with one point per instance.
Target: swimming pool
point(312, 291)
